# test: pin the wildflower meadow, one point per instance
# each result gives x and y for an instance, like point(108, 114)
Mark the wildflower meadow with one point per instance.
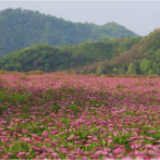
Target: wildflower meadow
point(69, 116)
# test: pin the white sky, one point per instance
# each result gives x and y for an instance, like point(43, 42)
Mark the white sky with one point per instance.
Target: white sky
point(139, 16)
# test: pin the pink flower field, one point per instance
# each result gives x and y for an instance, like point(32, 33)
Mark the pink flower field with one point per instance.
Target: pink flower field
point(69, 116)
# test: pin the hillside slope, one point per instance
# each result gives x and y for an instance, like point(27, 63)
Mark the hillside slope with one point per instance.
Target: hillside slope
point(23, 28)
point(48, 58)
point(142, 58)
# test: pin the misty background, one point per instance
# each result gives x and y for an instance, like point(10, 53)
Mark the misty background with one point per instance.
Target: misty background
point(141, 17)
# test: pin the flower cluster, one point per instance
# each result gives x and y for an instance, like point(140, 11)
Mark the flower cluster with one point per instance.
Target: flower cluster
point(62, 116)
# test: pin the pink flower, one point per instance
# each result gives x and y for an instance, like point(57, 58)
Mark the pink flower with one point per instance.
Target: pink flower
point(4, 156)
point(21, 154)
point(44, 134)
point(140, 157)
point(117, 151)
point(127, 158)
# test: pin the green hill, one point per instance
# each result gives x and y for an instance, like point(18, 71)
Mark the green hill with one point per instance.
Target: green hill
point(121, 55)
point(48, 58)
point(142, 58)
point(24, 28)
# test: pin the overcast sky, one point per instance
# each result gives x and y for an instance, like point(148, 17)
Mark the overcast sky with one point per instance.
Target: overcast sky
point(142, 17)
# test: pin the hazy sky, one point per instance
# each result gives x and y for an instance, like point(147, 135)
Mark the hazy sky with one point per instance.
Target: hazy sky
point(142, 17)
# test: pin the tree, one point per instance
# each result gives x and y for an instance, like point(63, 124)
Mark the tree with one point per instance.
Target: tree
point(145, 66)
point(155, 68)
point(131, 69)
point(99, 70)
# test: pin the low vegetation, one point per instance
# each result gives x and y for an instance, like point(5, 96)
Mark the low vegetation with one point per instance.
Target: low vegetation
point(71, 116)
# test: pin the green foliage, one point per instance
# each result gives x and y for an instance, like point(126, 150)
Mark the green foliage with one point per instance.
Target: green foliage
point(47, 58)
point(131, 69)
point(109, 56)
point(137, 56)
point(145, 66)
point(99, 70)
point(22, 28)
point(122, 140)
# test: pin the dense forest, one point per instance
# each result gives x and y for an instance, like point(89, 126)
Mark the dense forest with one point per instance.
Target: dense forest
point(46, 43)
point(48, 58)
point(23, 28)
point(142, 58)
point(119, 55)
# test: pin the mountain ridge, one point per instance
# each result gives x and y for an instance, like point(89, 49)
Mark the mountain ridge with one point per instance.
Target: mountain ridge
point(23, 28)
point(115, 56)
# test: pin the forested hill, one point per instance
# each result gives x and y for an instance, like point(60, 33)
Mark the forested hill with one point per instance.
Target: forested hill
point(22, 28)
point(48, 58)
point(142, 58)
